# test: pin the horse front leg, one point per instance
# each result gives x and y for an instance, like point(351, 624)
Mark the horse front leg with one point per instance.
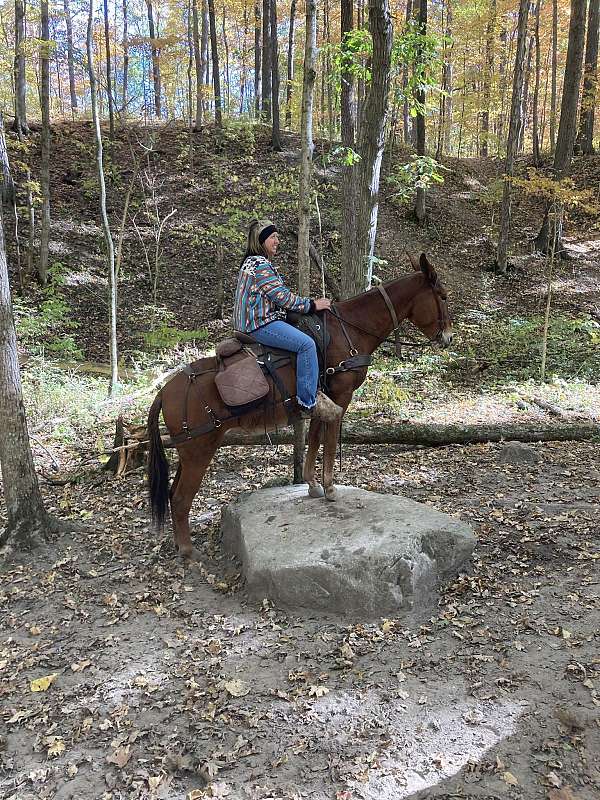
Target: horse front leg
point(314, 440)
point(330, 440)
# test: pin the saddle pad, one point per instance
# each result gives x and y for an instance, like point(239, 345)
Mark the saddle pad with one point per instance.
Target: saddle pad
point(241, 382)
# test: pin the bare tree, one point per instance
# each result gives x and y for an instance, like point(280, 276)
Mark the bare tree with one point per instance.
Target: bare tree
point(45, 161)
point(200, 67)
point(215, 63)
point(358, 252)
point(110, 250)
point(109, 81)
point(585, 137)
point(257, 57)
point(420, 211)
point(536, 90)
point(276, 131)
point(513, 136)
point(567, 127)
point(70, 55)
point(125, 57)
point(266, 60)
point(155, 60)
point(20, 124)
point(488, 72)
point(553, 93)
point(304, 193)
point(28, 522)
point(290, 67)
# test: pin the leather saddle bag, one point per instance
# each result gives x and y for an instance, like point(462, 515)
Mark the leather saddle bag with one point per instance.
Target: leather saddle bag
point(239, 380)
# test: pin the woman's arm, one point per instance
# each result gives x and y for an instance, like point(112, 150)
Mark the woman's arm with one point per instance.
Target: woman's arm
point(268, 282)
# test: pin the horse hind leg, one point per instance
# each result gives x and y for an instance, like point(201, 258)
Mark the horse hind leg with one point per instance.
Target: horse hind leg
point(330, 441)
point(172, 491)
point(192, 468)
point(314, 439)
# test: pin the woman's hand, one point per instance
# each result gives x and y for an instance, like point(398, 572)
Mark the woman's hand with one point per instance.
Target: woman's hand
point(322, 304)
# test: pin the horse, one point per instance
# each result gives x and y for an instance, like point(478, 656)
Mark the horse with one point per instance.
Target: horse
point(197, 419)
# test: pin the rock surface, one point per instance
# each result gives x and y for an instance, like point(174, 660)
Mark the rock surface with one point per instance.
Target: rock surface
point(367, 554)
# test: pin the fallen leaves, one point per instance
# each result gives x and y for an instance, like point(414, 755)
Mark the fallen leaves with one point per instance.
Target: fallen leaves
point(237, 688)
point(43, 684)
point(120, 756)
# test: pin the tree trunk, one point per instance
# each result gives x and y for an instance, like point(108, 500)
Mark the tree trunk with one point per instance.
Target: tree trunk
point(257, 58)
point(405, 67)
point(513, 135)
point(28, 523)
point(525, 98)
point(537, 156)
point(110, 250)
point(125, 58)
point(227, 103)
point(266, 61)
point(488, 74)
point(276, 132)
point(585, 137)
point(109, 86)
point(567, 127)
point(215, 63)
point(199, 66)
point(420, 211)
point(290, 67)
point(553, 95)
point(70, 60)
point(204, 59)
point(358, 255)
point(45, 144)
point(155, 61)
point(349, 178)
point(304, 190)
point(20, 124)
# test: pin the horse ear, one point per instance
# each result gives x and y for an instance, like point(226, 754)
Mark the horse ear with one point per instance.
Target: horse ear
point(427, 269)
point(413, 261)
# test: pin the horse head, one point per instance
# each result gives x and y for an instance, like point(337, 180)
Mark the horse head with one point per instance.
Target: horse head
point(429, 310)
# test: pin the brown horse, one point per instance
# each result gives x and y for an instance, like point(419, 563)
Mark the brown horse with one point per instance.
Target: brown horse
point(356, 326)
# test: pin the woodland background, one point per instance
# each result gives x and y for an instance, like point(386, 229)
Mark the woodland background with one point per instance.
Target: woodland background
point(139, 141)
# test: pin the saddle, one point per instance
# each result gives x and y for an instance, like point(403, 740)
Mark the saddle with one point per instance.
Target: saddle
point(243, 365)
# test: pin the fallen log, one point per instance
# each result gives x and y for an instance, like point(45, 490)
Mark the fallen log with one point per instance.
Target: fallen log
point(131, 440)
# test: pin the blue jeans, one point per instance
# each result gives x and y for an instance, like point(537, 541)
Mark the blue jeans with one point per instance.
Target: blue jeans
point(286, 337)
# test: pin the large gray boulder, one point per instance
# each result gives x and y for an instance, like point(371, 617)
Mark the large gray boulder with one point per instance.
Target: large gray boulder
point(367, 554)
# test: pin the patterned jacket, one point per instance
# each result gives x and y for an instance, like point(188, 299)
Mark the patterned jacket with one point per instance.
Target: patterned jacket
point(262, 296)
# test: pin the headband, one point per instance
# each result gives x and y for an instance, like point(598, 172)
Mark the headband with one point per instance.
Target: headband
point(266, 232)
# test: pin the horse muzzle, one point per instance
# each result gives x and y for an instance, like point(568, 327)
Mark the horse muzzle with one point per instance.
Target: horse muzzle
point(444, 338)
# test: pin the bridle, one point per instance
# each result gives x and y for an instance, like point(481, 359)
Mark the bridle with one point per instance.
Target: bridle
point(398, 343)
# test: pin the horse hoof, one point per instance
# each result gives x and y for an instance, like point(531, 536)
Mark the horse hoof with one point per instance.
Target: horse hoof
point(331, 493)
point(316, 490)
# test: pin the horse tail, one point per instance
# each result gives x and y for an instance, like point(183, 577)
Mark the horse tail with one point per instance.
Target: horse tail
point(158, 467)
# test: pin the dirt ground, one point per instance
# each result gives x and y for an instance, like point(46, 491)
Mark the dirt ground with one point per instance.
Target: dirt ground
point(168, 684)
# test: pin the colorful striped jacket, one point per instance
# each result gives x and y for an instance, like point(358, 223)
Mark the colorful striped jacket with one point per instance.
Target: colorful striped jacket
point(261, 296)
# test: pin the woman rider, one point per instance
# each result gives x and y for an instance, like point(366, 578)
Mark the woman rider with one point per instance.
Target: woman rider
point(261, 302)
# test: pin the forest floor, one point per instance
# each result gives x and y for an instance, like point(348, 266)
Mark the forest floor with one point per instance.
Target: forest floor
point(161, 680)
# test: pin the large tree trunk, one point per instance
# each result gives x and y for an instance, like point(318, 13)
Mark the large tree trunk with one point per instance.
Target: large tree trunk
point(257, 57)
point(536, 90)
point(45, 142)
point(488, 74)
point(20, 124)
point(276, 132)
point(215, 63)
point(28, 523)
point(70, 59)
point(199, 66)
point(109, 82)
point(567, 127)
point(420, 211)
point(585, 137)
point(227, 103)
point(108, 241)
point(553, 91)
point(513, 136)
point(304, 190)
point(204, 59)
point(358, 252)
point(155, 61)
point(266, 61)
point(290, 67)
